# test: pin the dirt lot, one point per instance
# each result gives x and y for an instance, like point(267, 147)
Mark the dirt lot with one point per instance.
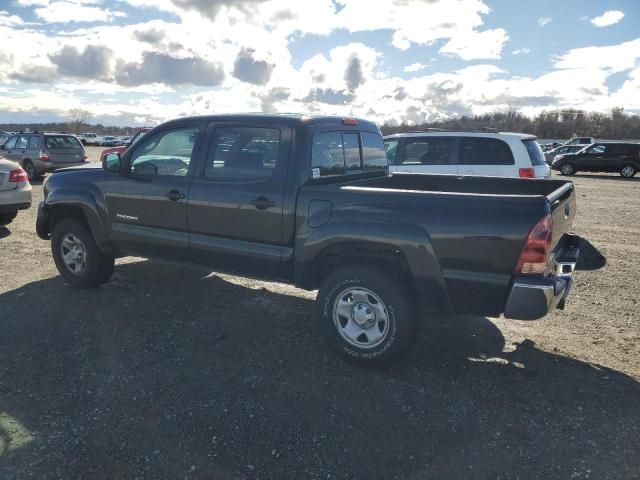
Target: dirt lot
point(171, 372)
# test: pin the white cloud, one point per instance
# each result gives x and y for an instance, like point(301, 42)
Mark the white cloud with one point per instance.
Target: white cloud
point(543, 21)
point(415, 67)
point(9, 20)
point(521, 51)
point(75, 11)
point(610, 17)
point(615, 58)
point(474, 45)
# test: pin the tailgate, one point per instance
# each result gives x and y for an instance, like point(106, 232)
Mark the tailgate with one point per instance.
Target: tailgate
point(563, 210)
point(64, 149)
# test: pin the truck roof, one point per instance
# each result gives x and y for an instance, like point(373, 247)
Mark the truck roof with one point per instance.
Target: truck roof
point(292, 119)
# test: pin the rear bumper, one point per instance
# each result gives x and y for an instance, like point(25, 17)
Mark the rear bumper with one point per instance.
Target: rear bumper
point(532, 298)
point(16, 199)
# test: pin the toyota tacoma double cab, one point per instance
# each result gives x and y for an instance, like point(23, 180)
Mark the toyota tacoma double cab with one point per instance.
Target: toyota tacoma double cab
point(308, 200)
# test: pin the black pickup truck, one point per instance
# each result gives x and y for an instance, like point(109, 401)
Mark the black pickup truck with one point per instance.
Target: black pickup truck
point(309, 201)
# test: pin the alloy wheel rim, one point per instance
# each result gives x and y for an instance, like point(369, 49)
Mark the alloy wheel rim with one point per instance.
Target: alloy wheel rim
point(567, 168)
point(74, 254)
point(627, 171)
point(360, 317)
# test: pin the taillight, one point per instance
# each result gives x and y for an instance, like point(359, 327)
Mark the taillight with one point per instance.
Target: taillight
point(535, 253)
point(18, 175)
point(85, 156)
point(349, 121)
point(527, 173)
point(44, 157)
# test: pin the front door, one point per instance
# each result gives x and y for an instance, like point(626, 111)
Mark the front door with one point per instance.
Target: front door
point(236, 200)
point(148, 208)
point(595, 159)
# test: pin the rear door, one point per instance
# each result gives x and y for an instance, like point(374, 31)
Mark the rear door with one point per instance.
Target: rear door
point(148, 207)
point(485, 156)
point(426, 155)
point(236, 201)
point(63, 149)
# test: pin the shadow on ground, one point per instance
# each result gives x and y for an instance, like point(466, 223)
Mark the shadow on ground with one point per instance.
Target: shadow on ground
point(4, 232)
point(169, 373)
point(612, 176)
point(590, 257)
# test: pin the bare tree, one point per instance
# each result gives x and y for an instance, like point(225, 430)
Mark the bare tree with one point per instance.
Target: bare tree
point(77, 116)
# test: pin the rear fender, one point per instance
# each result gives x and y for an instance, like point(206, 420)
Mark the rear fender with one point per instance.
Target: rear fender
point(413, 243)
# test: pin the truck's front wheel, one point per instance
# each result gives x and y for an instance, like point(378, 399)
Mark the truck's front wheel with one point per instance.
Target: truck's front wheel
point(77, 257)
point(366, 317)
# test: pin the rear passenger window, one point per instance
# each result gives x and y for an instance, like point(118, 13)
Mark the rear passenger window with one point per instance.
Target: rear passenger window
point(243, 154)
point(485, 151)
point(337, 153)
point(22, 142)
point(61, 142)
point(351, 145)
point(427, 151)
point(34, 142)
point(373, 152)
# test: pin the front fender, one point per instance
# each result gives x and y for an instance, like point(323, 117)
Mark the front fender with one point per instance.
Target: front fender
point(93, 211)
point(409, 239)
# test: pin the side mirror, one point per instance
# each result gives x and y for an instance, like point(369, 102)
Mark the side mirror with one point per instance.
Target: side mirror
point(112, 162)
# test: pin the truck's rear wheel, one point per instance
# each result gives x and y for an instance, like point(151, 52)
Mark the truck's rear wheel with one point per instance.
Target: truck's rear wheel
point(77, 257)
point(366, 317)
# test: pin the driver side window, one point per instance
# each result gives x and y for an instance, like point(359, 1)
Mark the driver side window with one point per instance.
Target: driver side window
point(165, 153)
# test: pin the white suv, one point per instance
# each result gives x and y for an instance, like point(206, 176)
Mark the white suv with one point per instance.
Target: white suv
point(467, 153)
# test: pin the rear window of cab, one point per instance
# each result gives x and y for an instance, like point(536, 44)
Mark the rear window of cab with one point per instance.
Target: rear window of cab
point(347, 152)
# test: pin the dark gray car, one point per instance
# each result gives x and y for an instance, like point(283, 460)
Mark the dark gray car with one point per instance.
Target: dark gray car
point(38, 153)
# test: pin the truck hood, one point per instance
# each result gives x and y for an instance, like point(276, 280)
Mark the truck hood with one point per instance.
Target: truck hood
point(84, 166)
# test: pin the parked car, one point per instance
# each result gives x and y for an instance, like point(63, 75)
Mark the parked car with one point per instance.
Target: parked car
point(90, 139)
point(579, 141)
point(621, 157)
point(4, 136)
point(564, 149)
point(15, 191)
point(467, 153)
point(121, 148)
point(39, 153)
point(309, 201)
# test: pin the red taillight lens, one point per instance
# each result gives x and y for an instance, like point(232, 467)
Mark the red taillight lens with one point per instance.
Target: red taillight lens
point(18, 175)
point(535, 253)
point(527, 173)
point(44, 157)
point(349, 121)
point(85, 157)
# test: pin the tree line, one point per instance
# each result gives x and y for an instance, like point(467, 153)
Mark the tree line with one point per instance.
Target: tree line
point(560, 124)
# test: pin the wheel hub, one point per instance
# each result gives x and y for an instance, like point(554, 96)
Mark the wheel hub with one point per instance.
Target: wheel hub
point(364, 315)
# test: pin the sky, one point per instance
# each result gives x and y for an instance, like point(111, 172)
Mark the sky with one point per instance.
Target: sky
point(141, 62)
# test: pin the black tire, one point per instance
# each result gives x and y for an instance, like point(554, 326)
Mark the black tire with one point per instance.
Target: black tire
point(32, 173)
point(628, 171)
point(7, 218)
point(98, 265)
point(401, 316)
point(568, 169)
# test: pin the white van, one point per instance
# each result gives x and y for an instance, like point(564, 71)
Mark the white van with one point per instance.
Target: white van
point(467, 153)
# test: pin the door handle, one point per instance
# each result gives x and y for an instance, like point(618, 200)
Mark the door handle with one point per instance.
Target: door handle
point(174, 195)
point(262, 203)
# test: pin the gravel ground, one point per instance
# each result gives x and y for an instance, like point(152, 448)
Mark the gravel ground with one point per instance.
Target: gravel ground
point(172, 372)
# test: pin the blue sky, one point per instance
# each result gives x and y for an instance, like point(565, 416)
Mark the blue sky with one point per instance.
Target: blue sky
point(144, 61)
